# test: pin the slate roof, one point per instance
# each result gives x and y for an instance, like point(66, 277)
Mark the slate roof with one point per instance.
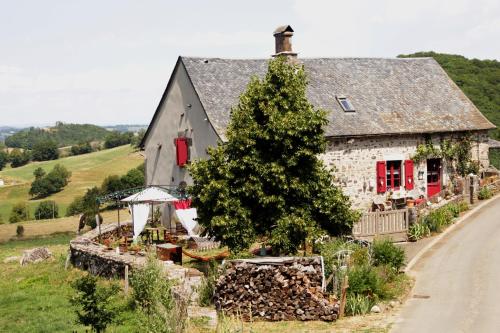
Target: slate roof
point(390, 96)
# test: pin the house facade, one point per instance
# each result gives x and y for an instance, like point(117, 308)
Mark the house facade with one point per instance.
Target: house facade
point(379, 111)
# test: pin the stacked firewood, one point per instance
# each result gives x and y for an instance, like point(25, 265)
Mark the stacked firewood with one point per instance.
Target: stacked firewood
point(274, 289)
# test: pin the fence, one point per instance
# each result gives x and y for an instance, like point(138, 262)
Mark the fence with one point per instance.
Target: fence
point(391, 223)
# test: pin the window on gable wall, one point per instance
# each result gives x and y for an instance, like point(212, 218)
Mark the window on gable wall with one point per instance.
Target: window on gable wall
point(345, 104)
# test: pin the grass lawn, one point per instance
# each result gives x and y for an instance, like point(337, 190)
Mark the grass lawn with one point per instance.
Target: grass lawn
point(48, 227)
point(34, 298)
point(88, 170)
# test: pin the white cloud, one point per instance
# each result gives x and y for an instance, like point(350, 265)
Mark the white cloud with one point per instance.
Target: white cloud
point(390, 27)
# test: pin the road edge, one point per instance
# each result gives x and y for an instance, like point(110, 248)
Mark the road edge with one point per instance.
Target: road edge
point(460, 220)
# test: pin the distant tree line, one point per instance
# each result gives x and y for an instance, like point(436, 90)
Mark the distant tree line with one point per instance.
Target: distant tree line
point(61, 134)
point(47, 149)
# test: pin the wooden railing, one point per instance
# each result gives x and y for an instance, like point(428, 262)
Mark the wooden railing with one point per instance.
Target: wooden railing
point(373, 224)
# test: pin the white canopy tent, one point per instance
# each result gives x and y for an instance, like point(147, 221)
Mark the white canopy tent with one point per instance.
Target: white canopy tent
point(139, 206)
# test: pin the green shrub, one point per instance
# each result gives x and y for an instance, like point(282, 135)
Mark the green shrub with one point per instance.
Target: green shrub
point(207, 287)
point(418, 231)
point(358, 304)
point(484, 193)
point(150, 288)
point(453, 208)
point(384, 252)
point(157, 311)
point(95, 304)
point(364, 280)
point(19, 231)
point(437, 219)
point(329, 252)
point(360, 257)
point(19, 213)
point(75, 207)
point(47, 184)
point(463, 206)
point(47, 210)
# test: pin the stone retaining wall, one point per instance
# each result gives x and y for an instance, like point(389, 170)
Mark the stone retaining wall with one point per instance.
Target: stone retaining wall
point(87, 254)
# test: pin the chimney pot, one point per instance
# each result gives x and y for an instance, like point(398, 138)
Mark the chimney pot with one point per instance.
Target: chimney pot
point(283, 41)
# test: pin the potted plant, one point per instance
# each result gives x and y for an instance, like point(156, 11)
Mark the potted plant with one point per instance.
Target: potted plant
point(134, 248)
point(410, 203)
point(107, 242)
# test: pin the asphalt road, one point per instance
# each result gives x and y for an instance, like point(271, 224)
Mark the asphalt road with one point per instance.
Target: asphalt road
point(458, 280)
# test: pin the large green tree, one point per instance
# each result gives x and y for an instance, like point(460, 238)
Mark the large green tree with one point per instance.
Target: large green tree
point(45, 150)
point(267, 180)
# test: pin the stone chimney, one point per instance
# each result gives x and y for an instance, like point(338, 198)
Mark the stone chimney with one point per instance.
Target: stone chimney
point(283, 38)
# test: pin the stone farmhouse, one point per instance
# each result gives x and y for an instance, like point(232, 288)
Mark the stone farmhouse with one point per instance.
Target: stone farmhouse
point(380, 110)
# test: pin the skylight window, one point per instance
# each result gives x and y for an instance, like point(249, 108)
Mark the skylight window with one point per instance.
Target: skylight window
point(346, 104)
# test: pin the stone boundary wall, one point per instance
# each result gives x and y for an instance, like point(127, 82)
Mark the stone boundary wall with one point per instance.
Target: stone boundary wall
point(87, 254)
point(274, 289)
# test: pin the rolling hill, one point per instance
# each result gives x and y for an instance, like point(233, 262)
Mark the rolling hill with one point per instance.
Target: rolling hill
point(87, 171)
point(62, 134)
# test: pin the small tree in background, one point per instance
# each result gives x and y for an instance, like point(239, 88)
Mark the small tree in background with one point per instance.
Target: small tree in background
point(45, 150)
point(19, 158)
point(47, 184)
point(267, 180)
point(4, 158)
point(81, 148)
point(95, 304)
point(47, 210)
point(19, 213)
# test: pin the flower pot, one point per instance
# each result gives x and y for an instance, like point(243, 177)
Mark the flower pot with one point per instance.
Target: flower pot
point(410, 203)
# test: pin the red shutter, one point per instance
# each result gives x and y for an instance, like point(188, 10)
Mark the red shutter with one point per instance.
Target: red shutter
point(381, 181)
point(409, 182)
point(181, 147)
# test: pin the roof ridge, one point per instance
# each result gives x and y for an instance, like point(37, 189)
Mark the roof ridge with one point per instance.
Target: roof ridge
point(312, 58)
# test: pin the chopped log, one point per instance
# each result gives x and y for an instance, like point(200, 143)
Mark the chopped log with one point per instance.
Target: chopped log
point(275, 289)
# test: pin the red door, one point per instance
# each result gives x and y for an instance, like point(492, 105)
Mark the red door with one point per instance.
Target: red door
point(433, 177)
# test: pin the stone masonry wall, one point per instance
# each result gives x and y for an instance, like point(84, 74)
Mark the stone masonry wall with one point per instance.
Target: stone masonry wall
point(354, 161)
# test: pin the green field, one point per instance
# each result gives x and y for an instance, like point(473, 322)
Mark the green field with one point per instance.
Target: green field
point(87, 171)
point(35, 298)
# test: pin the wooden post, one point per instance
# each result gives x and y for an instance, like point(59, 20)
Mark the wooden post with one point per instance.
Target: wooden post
point(471, 189)
point(126, 280)
point(68, 259)
point(119, 228)
point(98, 225)
point(343, 299)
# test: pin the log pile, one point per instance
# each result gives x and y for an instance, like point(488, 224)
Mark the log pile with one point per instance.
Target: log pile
point(274, 289)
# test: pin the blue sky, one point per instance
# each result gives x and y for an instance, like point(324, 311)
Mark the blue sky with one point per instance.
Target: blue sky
point(108, 62)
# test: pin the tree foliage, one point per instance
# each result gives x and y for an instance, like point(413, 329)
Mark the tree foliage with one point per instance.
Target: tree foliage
point(81, 148)
point(478, 79)
point(4, 158)
point(45, 150)
point(46, 210)
point(52, 182)
point(62, 134)
point(19, 213)
point(115, 139)
point(19, 158)
point(267, 180)
point(95, 305)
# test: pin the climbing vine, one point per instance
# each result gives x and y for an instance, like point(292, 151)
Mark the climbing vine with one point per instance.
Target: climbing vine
point(457, 155)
